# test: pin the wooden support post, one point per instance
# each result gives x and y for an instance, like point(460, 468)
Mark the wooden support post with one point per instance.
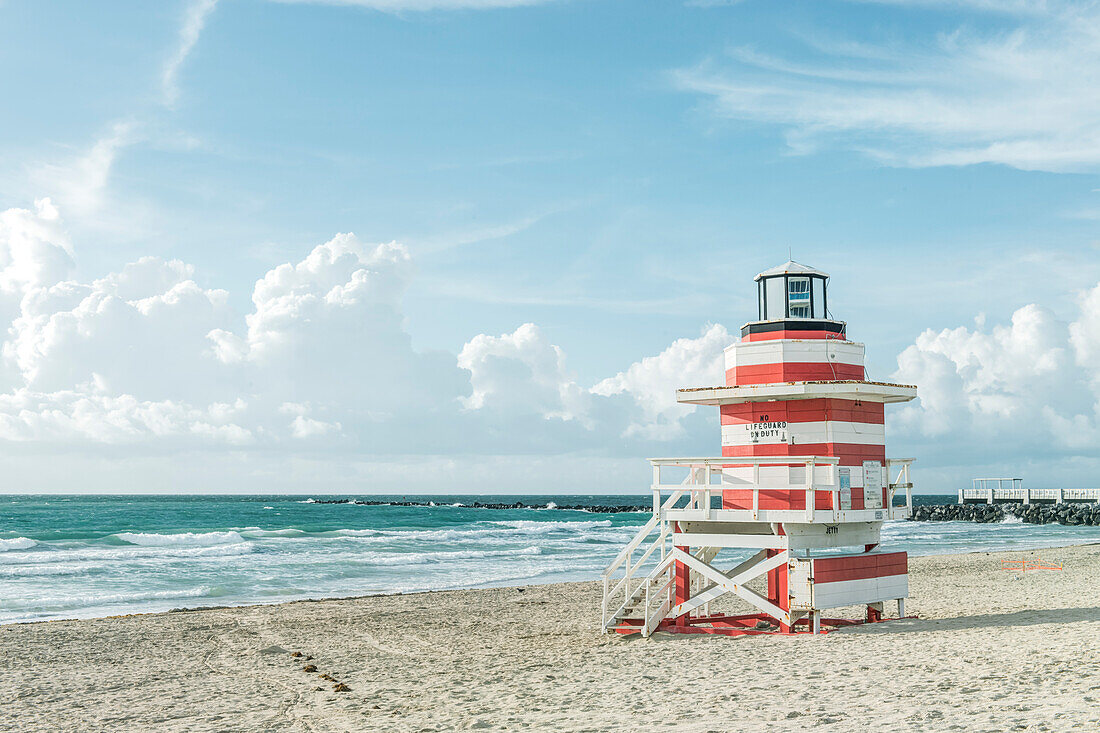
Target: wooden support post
point(706, 492)
point(603, 605)
point(682, 586)
point(777, 589)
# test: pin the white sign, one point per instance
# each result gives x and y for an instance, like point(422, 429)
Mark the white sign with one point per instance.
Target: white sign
point(872, 485)
point(845, 488)
point(766, 432)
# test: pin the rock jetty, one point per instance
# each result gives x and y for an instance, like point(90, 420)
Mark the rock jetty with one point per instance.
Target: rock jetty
point(616, 509)
point(1069, 513)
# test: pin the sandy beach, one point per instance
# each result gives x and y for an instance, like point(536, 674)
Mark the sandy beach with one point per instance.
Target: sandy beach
point(993, 650)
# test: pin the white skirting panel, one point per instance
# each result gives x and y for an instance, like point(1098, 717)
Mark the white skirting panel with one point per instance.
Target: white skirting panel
point(794, 351)
point(801, 433)
point(855, 592)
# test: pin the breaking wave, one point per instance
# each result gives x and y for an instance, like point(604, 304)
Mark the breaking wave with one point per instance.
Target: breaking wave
point(17, 543)
point(185, 539)
point(531, 525)
point(258, 533)
point(59, 603)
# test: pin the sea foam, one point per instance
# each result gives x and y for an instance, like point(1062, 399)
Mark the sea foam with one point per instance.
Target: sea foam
point(184, 539)
point(17, 543)
point(552, 526)
point(260, 533)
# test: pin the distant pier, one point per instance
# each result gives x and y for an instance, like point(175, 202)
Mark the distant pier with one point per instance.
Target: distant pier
point(1012, 491)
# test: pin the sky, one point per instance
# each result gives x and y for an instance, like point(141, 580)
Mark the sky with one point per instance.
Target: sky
point(475, 245)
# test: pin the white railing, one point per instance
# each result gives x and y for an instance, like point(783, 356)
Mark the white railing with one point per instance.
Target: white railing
point(705, 475)
point(903, 481)
point(628, 586)
point(708, 477)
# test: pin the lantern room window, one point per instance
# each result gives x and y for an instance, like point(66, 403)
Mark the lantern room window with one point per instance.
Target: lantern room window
point(798, 297)
point(792, 291)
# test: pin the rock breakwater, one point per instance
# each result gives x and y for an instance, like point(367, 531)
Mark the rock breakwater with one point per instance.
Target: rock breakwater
point(1069, 513)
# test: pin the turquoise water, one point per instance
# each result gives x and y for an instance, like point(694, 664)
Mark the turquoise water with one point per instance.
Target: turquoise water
point(87, 556)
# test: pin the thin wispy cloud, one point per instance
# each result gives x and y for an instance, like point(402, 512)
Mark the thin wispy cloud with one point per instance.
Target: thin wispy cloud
point(1022, 97)
point(190, 30)
point(80, 183)
point(396, 6)
point(1003, 6)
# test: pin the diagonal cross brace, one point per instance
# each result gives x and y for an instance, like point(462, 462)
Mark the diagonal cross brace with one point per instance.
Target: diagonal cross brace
point(732, 583)
point(712, 591)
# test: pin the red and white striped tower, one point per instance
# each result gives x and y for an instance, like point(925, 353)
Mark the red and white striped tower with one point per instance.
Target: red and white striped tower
point(803, 468)
point(795, 343)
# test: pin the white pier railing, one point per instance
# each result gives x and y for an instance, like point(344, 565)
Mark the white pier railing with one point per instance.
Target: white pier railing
point(1015, 493)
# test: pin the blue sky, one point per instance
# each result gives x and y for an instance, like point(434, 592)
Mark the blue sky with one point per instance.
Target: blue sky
point(613, 173)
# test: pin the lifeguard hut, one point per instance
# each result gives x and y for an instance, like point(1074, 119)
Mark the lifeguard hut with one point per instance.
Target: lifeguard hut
point(803, 486)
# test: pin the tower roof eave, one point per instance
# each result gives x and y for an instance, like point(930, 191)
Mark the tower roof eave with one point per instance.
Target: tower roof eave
point(790, 267)
point(885, 392)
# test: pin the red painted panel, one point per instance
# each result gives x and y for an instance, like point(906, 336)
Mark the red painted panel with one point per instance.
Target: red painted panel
point(792, 371)
point(798, 411)
point(794, 499)
point(859, 567)
point(777, 335)
point(850, 454)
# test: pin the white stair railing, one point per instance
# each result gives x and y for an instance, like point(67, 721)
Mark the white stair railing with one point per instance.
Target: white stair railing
point(628, 587)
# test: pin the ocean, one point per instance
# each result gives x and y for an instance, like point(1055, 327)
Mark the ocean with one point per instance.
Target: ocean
point(86, 556)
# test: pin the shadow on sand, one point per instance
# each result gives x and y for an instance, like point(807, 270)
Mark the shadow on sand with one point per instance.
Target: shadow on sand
point(984, 621)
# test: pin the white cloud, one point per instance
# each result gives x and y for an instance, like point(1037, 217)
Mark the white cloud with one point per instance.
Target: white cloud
point(147, 351)
point(34, 248)
point(1085, 332)
point(141, 330)
point(652, 382)
point(521, 372)
point(339, 277)
point(193, 23)
point(71, 419)
point(329, 331)
point(1021, 97)
point(1026, 389)
point(305, 427)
